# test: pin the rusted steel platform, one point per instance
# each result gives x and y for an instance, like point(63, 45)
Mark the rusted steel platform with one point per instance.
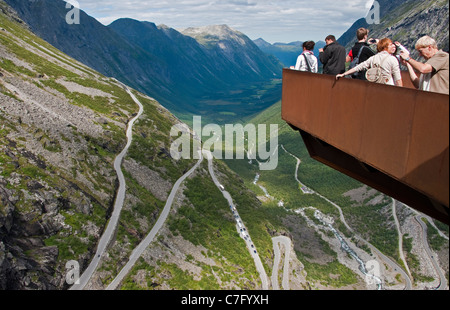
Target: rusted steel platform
point(393, 139)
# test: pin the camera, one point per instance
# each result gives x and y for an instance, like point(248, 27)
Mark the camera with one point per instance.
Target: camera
point(401, 48)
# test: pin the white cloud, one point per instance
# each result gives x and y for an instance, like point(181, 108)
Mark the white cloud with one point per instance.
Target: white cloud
point(273, 20)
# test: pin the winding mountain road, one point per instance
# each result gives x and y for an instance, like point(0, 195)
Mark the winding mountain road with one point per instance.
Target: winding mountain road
point(400, 237)
point(303, 187)
point(442, 279)
point(163, 217)
point(248, 240)
point(286, 242)
point(387, 260)
point(120, 198)
point(139, 250)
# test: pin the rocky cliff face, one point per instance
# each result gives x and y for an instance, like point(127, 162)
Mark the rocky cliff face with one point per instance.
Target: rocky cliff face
point(406, 21)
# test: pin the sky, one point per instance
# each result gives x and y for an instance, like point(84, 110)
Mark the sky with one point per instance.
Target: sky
point(273, 20)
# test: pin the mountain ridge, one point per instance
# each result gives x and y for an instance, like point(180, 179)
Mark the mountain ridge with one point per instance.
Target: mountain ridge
point(287, 53)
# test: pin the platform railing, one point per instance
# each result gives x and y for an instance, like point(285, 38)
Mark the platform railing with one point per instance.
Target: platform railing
point(400, 133)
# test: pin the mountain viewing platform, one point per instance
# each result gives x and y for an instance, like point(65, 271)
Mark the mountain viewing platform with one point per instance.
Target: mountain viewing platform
point(393, 139)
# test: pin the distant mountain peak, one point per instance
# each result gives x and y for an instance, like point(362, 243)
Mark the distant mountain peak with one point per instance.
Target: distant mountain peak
point(260, 42)
point(215, 32)
point(218, 30)
point(295, 43)
point(163, 26)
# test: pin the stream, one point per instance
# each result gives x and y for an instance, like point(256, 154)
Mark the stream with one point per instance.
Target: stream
point(266, 193)
point(346, 248)
point(370, 277)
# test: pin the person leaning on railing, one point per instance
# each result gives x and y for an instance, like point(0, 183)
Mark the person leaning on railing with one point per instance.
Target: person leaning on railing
point(434, 73)
point(389, 65)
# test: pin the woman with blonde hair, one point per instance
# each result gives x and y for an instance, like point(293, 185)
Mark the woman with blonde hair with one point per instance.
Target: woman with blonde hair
point(385, 60)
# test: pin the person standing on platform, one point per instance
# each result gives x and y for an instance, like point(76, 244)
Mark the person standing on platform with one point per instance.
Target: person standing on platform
point(307, 61)
point(332, 56)
point(360, 52)
point(434, 75)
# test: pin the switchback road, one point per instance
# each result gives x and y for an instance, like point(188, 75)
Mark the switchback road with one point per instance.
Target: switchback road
point(120, 198)
point(286, 242)
point(387, 260)
point(248, 241)
point(151, 236)
point(442, 279)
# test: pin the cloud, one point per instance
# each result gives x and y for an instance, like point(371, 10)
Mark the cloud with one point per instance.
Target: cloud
point(273, 20)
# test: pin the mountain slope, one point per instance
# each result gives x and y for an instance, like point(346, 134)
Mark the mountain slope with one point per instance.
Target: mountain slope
point(95, 45)
point(231, 49)
point(180, 73)
point(62, 125)
point(179, 53)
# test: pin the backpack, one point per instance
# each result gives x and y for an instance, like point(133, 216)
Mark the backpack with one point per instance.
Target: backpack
point(355, 62)
point(375, 74)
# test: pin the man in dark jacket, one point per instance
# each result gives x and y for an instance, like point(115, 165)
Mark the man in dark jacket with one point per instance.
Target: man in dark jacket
point(332, 57)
